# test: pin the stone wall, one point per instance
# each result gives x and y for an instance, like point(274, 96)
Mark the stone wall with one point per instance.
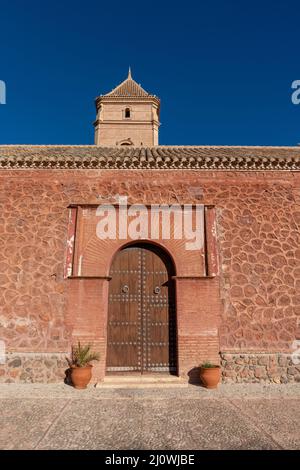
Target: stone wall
point(258, 230)
point(34, 367)
point(260, 257)
point(259, 367)
point(245, 367)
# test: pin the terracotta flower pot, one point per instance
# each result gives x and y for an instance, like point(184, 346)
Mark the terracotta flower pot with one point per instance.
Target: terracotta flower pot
point(210, 376)
point(81, 376)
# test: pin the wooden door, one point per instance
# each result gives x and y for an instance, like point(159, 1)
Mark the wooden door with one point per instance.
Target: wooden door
point(141, 314)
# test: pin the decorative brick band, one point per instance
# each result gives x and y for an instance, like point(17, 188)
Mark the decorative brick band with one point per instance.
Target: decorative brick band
point(34, 367)
point(259, 367)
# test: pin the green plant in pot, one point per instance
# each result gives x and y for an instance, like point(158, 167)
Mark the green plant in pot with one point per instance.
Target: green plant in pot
point(210, 374)
point(80, 365)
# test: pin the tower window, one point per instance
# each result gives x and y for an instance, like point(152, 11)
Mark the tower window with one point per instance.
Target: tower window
point(127, 113)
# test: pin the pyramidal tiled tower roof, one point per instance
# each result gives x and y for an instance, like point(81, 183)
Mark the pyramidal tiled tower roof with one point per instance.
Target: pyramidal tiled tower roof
point(128, 88)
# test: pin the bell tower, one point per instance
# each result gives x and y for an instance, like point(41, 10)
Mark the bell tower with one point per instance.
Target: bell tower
point(128, 115)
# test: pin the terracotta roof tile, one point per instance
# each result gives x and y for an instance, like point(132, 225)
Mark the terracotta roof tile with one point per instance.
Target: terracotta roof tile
point(161, 157)
point(128, 88)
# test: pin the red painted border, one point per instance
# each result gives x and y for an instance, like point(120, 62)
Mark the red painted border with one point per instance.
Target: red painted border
point(212, 260)
point(68, 267)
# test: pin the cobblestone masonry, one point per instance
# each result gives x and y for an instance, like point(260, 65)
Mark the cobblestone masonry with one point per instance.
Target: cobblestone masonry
point(277, 368)
point(251, 368)
point(34, 367)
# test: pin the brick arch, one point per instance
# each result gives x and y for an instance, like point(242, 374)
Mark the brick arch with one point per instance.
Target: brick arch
point(149, 242)
point(93, 259)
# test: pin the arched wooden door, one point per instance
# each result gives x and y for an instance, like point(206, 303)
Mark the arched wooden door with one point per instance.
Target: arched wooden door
point(141, 335)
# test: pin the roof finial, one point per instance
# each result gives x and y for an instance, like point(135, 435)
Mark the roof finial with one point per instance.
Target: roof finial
point(129, 72)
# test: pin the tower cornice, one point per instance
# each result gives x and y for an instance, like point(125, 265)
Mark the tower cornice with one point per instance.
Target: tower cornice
point(127, 99)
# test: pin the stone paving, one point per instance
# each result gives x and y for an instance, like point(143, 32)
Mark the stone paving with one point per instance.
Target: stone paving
point(56, 416)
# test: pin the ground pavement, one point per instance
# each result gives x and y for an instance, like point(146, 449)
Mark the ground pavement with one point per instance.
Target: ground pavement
point(240, 416)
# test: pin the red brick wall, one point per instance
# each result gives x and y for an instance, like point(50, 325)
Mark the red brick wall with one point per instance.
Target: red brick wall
point(255, 307)
point(198, 319)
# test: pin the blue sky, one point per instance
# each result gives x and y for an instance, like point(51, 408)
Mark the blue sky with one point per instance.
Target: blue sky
point(222, 69)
